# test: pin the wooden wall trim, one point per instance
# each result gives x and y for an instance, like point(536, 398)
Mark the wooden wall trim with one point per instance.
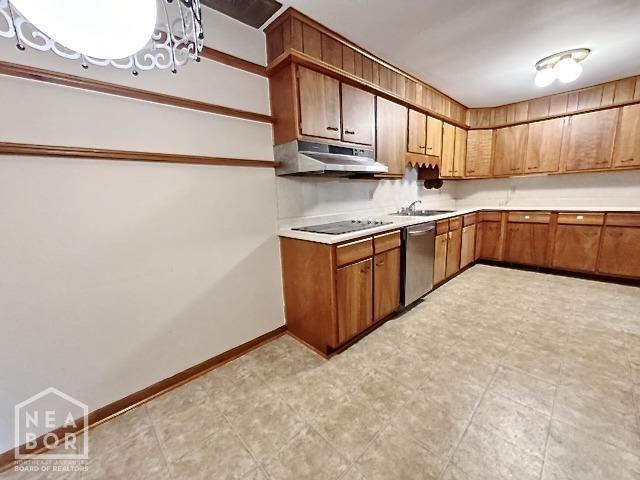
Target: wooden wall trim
point(56, 78)
point(233, 61)
point(27, 149)
point(119, 407)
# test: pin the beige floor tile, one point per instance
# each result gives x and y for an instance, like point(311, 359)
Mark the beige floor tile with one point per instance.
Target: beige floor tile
point(573, 454)
point(483, 455)
point(523, 388)
point(598, 418)
point(521, 425)
point(382, 393)
point(394, 454)
point(122, 429)
point(257, 474)
point(181, 398)
point(461, 367)
point(221, 456)
point(411, 366)
point(595, 383)
point(307, 456)
point(454, 473)
point(543, 366)
point(267, 428)
point(353, 474)
point(460, 398)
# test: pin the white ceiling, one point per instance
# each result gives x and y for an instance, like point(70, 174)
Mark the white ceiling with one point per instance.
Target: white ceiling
point(482, 52)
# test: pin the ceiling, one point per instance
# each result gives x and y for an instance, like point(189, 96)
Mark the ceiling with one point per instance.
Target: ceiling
point(482, 53)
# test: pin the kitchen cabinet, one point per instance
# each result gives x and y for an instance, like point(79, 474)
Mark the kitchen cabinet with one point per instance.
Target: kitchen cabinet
point(417, 141)
point(434, 137)
point(490, 236)
point(544, 145)
point(357, 115)
point(620, 250)
point(589, 141)
point(454, 245)
point(354, 295)
point(626, 152)
point(479, 153)
point(467, 250)
point(440, 262)
point(391, 135)
point(527, 238)
point(460, 152)
point(447, 158)
point(576, 242)
point(319, 104)
point(509, 150)
point(386, 277)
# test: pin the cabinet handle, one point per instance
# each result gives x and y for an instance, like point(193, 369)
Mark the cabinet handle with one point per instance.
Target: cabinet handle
point(603, 162)
point(471, 171)
point(514, 169)
point(350, 132)
point(430, 148)
point(333, 129)
point(421, 146)
point(532, 168)
point(627, 160)
point(380, 263)
point(615, 234)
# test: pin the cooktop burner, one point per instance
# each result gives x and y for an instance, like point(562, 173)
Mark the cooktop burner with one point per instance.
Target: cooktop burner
point(347, 226)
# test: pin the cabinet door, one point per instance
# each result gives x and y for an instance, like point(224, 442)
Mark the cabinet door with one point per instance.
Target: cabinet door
point(386, 284)
point(447, 159)
point(626, 152)
point(620, 251)
point(490, 241)
point(479, 153)
point(527, 243)
point(544, 146)
point(417, 142)
point(460, 152)
point(590, 140)
point(453, 252)
point(391, 135)
point(434, 136)
point(319, 104)
point(478, 249)
point(576, 247)
point(509, 150)
point(354, 293)
point(467, 251)
point(357, 115)
point(440, 263)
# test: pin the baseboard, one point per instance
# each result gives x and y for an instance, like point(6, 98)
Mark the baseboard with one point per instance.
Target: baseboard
point(106, 413)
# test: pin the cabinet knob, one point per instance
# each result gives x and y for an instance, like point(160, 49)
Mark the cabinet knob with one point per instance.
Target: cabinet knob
point(350, 132)
point(627, 160)
point(333, 129)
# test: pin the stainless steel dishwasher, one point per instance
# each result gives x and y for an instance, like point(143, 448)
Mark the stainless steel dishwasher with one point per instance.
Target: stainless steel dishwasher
point(418, 261)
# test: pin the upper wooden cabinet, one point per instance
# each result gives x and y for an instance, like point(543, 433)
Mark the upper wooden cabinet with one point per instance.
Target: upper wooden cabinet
point(460, 152)
point(626, 152)
point(357, 115)
point(544, 145)
point(417, 142)
point(434, 137)
point(589, 140)
point(391, 135)
point(509, 150)
point(319, 104)
point(447, 160)
point(479, 153)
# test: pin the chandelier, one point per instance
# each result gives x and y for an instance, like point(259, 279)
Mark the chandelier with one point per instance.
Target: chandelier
point(134, 35)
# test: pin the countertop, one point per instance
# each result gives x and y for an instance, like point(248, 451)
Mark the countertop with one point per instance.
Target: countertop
point(401, 221)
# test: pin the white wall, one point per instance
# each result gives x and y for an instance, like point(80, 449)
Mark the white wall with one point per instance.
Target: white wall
point(580, 190)
point(115, 275)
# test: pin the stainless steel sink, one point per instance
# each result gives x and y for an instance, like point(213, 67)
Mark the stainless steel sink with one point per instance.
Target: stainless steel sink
point(422, 213)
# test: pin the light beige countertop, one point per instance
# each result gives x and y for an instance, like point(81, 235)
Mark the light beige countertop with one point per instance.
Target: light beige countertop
point(401, 221)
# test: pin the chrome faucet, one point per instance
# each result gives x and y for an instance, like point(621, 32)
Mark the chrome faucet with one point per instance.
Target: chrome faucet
point(412, 207)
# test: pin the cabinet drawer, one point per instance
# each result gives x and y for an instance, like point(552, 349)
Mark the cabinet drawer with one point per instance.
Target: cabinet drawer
point(529, 217)
point(623, 219)
point(490, 216)
point(354, 251)
point(581, 218)
point(455, 223)
point(386, 241)
point(442, 227)
point(470, 219)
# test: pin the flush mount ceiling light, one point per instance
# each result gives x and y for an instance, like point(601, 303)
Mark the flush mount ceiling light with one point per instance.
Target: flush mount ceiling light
point(126, 34)
point(564, 66)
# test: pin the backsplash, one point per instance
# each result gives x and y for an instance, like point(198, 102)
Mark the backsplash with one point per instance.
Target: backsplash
point(301, 197)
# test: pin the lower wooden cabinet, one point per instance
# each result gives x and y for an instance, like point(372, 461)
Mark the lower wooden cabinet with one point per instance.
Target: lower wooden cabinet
point(620, 247)
point(576, 247)
point(527, 238)
point(386, 278)
point(489, 239)
point(467, 250)
point(354, 295)
point(453, 252)
point(440, 262)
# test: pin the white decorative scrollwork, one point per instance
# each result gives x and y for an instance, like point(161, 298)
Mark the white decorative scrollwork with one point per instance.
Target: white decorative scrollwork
point(178, 38)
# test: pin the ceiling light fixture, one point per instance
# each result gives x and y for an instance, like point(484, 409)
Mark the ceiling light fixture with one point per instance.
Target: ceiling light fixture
point(564, 66)
point(136, 35)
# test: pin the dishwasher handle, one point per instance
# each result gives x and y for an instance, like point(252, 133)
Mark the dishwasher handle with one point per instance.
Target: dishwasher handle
point(418, 233)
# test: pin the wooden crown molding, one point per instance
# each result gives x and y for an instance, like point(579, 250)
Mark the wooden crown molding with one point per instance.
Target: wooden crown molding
point(233, 61)
point(26, 149)
point(119, 407)
point(56, 78)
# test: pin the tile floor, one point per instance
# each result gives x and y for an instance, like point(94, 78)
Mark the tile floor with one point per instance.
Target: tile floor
point(499, 374)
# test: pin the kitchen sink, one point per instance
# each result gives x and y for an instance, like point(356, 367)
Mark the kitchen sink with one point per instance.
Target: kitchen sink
point(423, 213)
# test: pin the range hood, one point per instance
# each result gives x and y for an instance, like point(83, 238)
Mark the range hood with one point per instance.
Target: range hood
point(300, 157)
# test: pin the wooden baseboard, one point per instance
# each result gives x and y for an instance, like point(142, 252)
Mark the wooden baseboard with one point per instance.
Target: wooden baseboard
point(102, 415)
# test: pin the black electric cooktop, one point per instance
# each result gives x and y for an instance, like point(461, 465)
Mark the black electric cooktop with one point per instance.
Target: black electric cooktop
point(347, 226)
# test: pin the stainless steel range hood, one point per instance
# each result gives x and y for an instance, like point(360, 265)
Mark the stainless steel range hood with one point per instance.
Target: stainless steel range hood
point(311, 158)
